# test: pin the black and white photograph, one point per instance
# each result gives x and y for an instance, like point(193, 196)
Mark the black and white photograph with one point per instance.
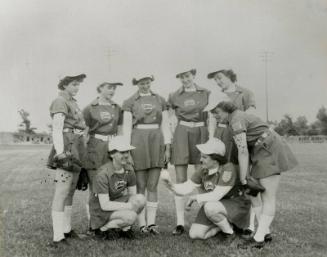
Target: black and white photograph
point(159, 128)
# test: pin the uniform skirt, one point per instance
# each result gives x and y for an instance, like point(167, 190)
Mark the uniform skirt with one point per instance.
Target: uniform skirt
point(226, 135)
point(149, 149)
point(238, 212)
point(185, 139)
point(271, 156)
point(74, 144)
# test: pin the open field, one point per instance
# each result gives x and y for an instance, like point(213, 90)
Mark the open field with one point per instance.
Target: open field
point(25, 222)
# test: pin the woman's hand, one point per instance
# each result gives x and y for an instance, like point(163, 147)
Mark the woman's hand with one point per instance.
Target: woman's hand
point(86, 136)
point(190, 201)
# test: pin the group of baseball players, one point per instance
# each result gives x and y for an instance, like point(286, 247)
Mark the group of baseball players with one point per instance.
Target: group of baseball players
point(121, 152)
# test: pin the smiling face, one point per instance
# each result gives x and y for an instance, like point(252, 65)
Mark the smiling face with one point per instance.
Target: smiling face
point(120, 158)
point(144, 85)
point(72, 88)
point(187, 79)
point(222, 81)
point(207, 162)
point(219, 114)
point(107, 91)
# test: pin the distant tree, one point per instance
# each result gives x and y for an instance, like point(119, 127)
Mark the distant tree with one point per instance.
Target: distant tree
point(301, 125)
point(314, 129)
point(322, 118)
point(286, 127)
point(25, 126)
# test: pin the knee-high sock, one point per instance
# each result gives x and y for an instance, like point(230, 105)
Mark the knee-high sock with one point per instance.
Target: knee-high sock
point(87, 208)
point(252, 219)
point(225, 226)
point(67, 219)
point(141, 218)
point(180, 206)
point(254, 215)
point(263, 227)
point(57, 224)
point(151, 212)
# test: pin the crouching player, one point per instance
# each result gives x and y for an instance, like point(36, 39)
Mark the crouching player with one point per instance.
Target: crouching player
point(223, 205)
point(114, 204)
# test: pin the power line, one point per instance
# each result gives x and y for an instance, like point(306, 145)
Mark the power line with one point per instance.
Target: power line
point(266, 58)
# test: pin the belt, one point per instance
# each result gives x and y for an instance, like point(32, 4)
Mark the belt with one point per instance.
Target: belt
point(147, 126)
point(191, 124)
point(222, 125)
point(74, 131)
point(103, 137)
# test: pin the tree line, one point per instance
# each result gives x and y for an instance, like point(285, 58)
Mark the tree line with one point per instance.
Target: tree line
point(300, 126)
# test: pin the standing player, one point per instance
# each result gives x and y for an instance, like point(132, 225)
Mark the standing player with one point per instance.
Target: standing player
point(219, 194)
point(270, 156)
point(68, 151)
point(244, 100)
point(146, 120)
point(114, 203)
point(103, 117)
point(187, 104)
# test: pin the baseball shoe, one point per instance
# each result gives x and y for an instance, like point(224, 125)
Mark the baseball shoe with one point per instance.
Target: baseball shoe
point(247, 234)
point(144, 230)
point(128, 234)
point(153, 229)
point(227, 238)
point(57, 244)
point(179, 229)
point(251, 243)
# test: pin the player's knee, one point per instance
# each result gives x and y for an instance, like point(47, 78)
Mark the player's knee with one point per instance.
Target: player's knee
point(211, 208)
point(138, 202)
point(129, 218)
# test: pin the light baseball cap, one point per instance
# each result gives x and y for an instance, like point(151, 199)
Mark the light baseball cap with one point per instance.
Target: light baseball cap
point(212, 146)
point(120, 144)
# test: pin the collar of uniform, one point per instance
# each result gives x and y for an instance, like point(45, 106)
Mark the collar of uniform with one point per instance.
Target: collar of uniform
point(197, 88)
point(96, 102)
point(137, 95)
point(67, 96)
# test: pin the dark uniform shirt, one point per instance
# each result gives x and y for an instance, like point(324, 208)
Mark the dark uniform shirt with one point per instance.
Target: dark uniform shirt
point(67, 105)
point(189, 106)
point(145, 109)
point(253, 126)
point(243, 98)
point(226, 175)
point(102, 119)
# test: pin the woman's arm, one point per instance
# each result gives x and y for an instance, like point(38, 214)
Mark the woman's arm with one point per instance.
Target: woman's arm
point(131, 190)
point(218, 193)
point(165, 127)
point(127, 124)
point(181, 189)
point(243, 155)
point(212, 123)
point(108, 205)
point(57, 128)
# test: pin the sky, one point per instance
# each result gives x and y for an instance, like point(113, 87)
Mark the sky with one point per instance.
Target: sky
point(41, 41)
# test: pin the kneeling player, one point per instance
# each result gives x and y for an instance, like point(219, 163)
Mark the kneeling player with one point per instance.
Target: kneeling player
point(224, 206)
point(114, 204)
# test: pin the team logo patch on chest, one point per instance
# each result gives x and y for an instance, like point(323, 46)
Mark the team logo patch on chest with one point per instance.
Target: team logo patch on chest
point(120, 185)
point(189, 102)
point(227, 176)
point(148, 107)
point(106, 116)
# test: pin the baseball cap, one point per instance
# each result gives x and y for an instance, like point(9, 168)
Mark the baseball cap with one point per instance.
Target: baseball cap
point(212, 146)
point(193, 71)
point(120, 144)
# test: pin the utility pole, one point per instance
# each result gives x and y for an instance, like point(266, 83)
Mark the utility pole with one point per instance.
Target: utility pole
point(266, 58)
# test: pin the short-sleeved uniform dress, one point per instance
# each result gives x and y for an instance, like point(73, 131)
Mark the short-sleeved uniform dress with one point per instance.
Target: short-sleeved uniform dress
point(188, 108)
point(235, 203)
point(243, 100)
point(102, 120)
point(73, 142)
point(270, 154)
point(108, 182)
point(148, 139)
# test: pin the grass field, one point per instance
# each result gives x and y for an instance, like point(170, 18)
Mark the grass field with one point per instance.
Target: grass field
point(26, 192)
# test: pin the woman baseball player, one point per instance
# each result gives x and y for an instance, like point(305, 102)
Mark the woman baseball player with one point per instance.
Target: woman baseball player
point(68, 151)
point(187, 105)
point(223, 204)
point(146, 120)
point(270, 156)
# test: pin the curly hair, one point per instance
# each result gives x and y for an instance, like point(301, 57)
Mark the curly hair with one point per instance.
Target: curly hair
point(227, 106)
point(229, 74)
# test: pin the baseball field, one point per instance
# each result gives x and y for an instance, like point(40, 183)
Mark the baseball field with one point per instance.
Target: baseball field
point(299, 228)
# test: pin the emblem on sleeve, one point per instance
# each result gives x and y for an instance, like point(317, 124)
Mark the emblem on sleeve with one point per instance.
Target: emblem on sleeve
point(227, 176)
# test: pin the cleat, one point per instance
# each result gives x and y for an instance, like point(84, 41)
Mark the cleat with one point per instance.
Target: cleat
point(144, 230)
point(153, 229)
point(227, 238)
point(247, 234)
point(251, 244)
point(112, 234)
point(128, 234)
point(268, 238)
point(71, 234)
point(98, 234)
point(178, 230)
point(57, 244)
